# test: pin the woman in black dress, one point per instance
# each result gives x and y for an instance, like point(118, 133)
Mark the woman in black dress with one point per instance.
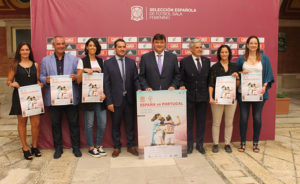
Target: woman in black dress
point(24, 71)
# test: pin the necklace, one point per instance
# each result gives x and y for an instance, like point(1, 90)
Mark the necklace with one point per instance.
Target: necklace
point(28, 72)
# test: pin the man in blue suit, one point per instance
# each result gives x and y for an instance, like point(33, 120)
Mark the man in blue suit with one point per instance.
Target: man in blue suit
point(120, 85)
point(61, 63)
point(159, 69)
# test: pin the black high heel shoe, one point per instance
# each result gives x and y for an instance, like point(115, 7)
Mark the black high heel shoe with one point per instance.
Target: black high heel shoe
point(36, 152)
point(27, 154)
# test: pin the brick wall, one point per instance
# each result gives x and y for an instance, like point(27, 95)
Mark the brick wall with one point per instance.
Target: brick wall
point(16, 13)
point(288, 60)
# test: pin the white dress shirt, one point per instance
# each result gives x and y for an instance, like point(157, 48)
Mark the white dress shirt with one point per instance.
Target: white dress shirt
point(161, 58)
point(94, 64)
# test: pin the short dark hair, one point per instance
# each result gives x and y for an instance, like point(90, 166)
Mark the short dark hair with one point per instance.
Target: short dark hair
point(159, 36)
point(219, 52)
point(95, 41)
point(118, 40)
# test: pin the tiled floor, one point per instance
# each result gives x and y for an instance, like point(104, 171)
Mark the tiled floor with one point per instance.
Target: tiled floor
point(277, 162)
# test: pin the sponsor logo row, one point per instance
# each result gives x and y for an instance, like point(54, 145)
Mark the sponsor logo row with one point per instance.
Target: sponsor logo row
point(141, 52)
point(141, 45)
point(170, 46)
point(71, 40)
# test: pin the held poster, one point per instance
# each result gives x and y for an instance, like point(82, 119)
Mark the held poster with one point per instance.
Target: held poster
point(225, 90)
point(251, 85)
point(31, 100)
point(61, 90)
point(162, 125)
point(92, 87)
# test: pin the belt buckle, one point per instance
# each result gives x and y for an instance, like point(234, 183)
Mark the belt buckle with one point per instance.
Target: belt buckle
point(124, 93)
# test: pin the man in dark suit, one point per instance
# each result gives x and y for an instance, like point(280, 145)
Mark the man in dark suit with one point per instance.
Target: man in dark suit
point(194, 71)
point(159, 69)
point(120, 85)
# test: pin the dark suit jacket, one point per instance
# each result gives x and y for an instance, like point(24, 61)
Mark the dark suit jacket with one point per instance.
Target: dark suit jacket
point(149, 74)
point(113, 82)
point(196, 83)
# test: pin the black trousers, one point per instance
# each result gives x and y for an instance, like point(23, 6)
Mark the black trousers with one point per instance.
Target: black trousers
point(71, 112)
point(200, 109)
point(125, 110)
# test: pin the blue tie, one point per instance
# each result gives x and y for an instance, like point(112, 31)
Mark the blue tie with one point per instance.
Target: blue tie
point(123, 74)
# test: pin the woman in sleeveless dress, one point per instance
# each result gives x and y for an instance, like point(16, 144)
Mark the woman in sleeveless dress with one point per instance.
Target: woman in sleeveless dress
point(254, 62)
point(22, 72)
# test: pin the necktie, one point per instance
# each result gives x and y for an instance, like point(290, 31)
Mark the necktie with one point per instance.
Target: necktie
point(123, 74)
point(159, 64)
point(198, 65)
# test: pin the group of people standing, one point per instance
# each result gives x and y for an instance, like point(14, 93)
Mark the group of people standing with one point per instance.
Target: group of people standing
point(158, 70)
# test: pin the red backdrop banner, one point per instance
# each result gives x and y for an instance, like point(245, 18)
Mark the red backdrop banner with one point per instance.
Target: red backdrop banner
point(215, 22)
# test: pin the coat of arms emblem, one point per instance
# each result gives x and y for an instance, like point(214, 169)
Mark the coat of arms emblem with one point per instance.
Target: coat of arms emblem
point(137, 13)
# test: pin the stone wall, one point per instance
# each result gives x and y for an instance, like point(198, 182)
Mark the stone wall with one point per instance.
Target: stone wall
point(4, 60)
point(5, 99)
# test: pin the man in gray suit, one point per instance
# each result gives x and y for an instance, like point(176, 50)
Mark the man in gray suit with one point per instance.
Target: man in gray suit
point(61, 63)
point(159, 69)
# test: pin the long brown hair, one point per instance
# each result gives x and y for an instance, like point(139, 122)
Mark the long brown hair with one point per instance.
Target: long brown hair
point(258, 56)
point(17, 59)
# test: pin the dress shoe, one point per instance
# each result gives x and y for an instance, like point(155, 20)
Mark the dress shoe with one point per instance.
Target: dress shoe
point(57, 154)
point(133, 151)
point(190, 149)
point(215, 148)
point(77, 152)
point(116, 153)
point(201, 149)
point(228, 148)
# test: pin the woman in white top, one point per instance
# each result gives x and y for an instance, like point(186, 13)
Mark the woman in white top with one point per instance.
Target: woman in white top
point(254, 62)
point(90, 64)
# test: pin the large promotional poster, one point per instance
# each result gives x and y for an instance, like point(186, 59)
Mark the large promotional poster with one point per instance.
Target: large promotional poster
point(215, 22)
point(161, 117)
